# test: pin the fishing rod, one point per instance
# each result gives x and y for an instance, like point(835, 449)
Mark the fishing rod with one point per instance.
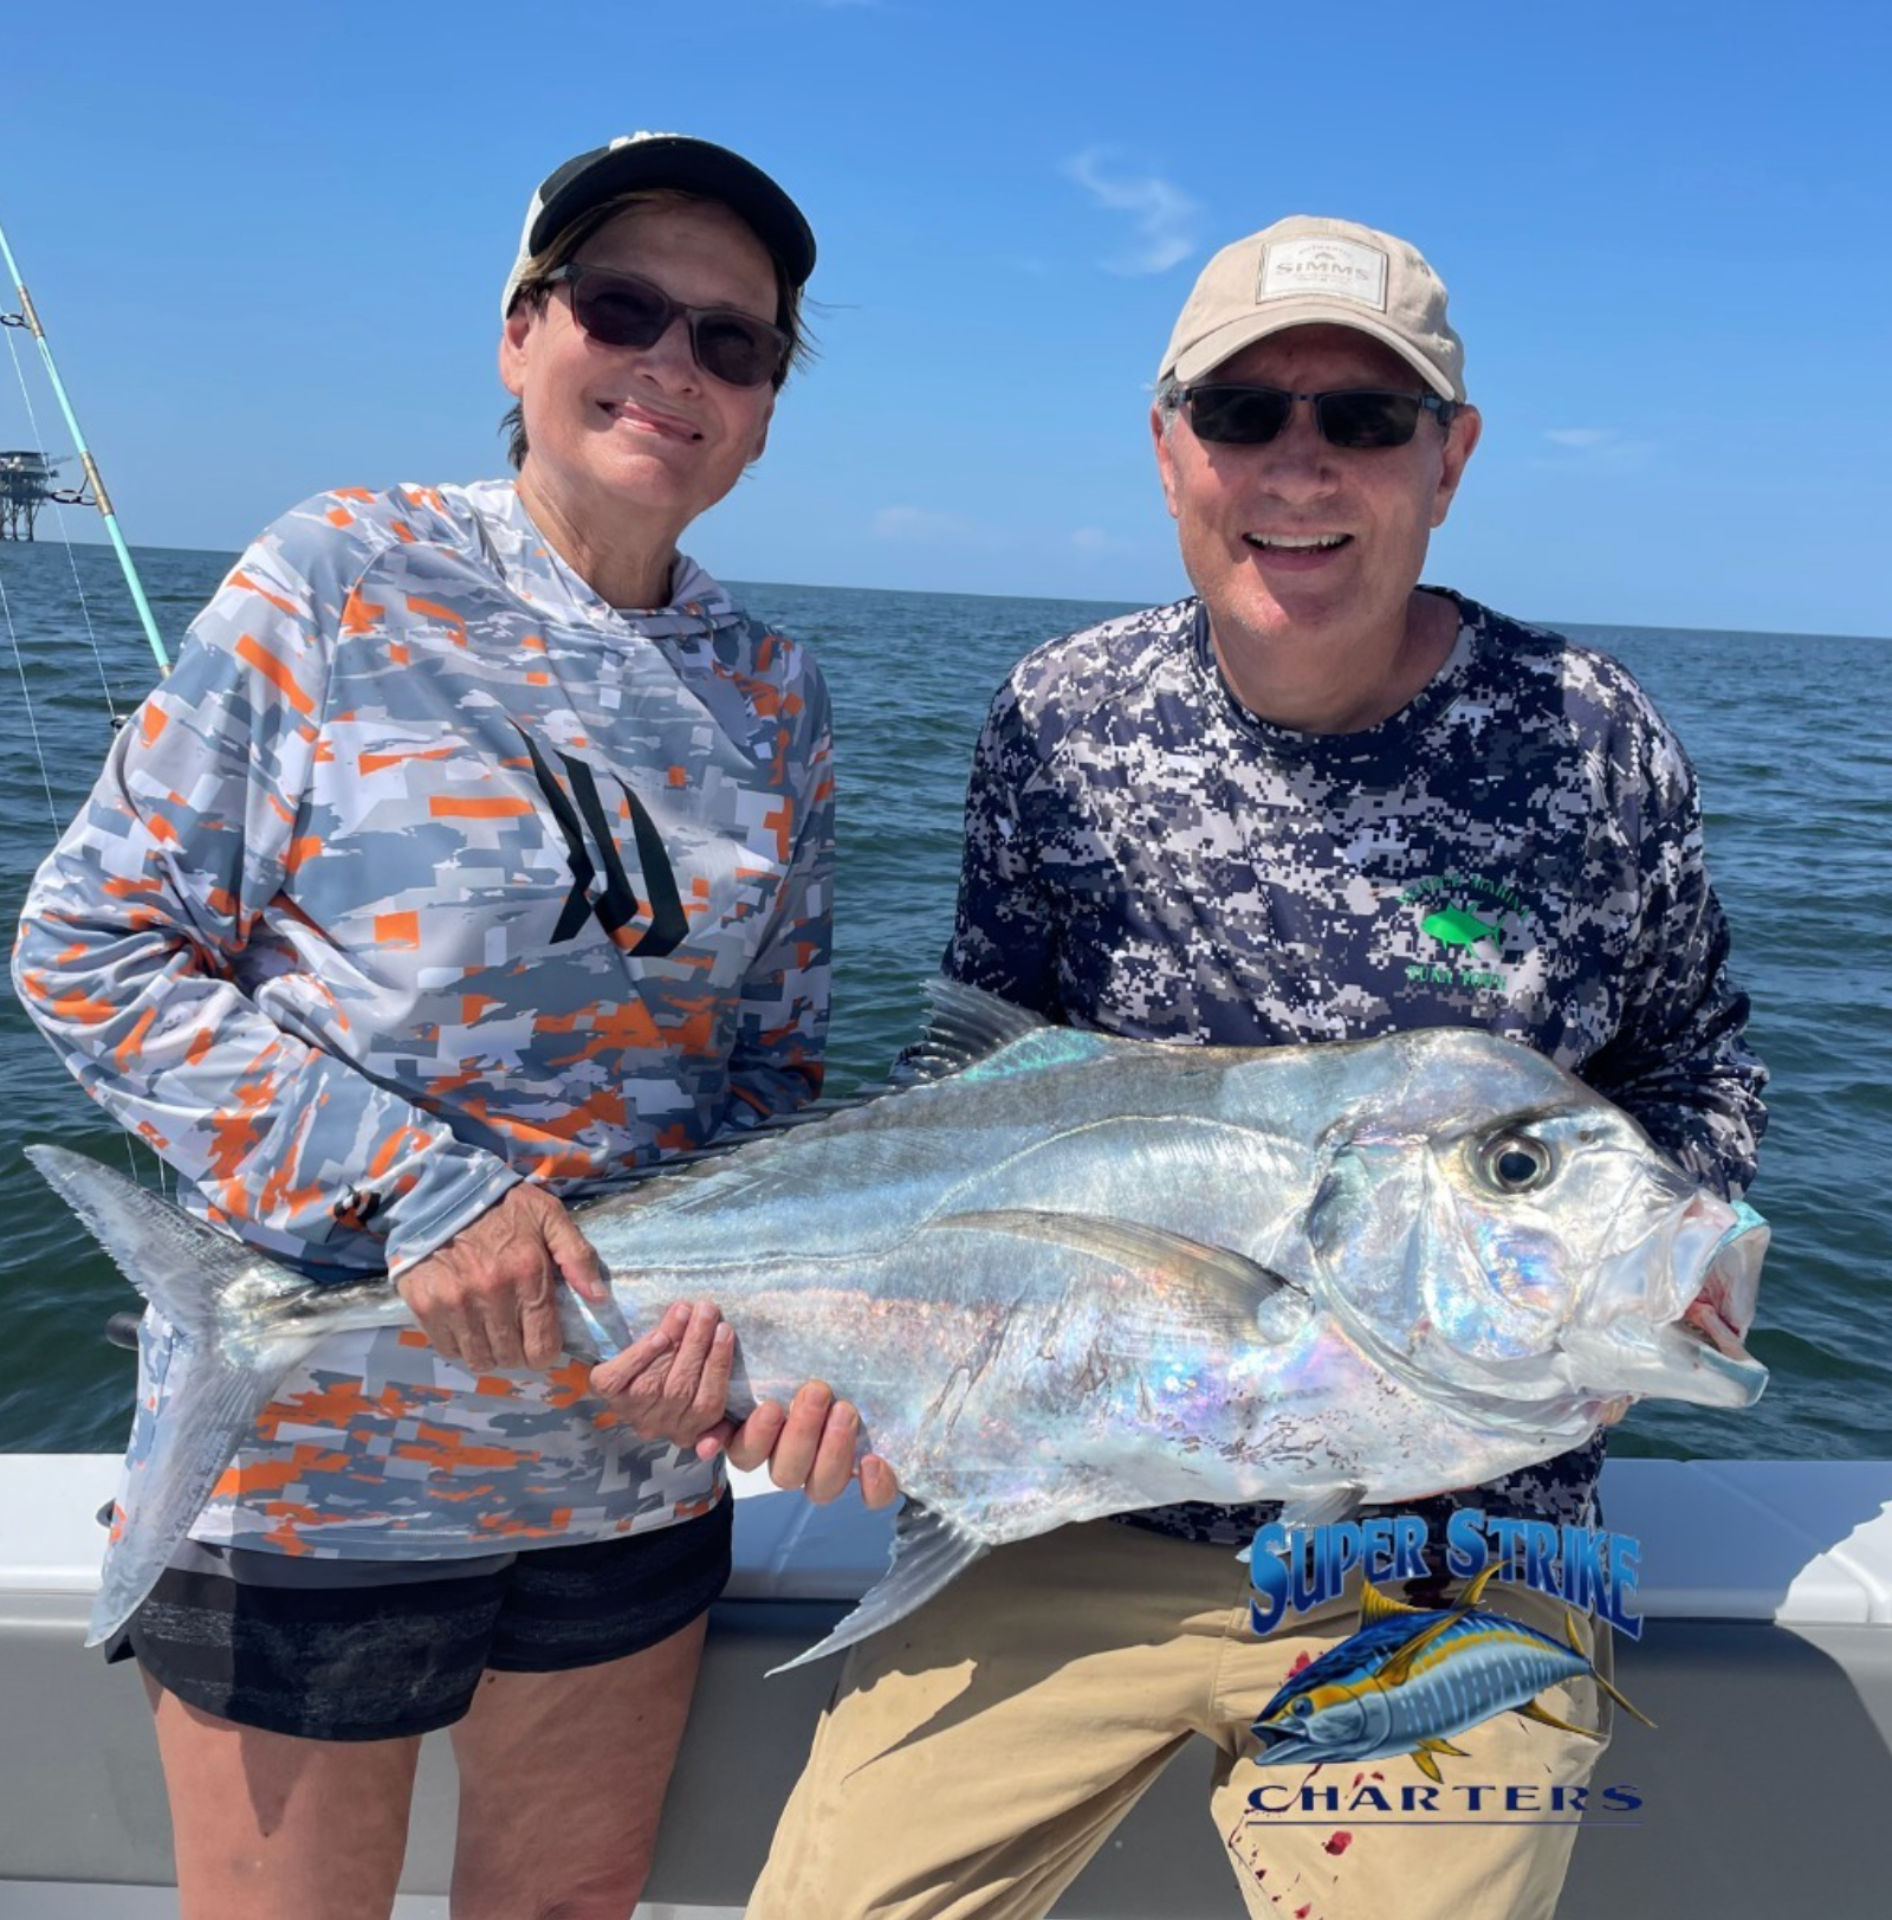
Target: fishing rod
point(29, 319)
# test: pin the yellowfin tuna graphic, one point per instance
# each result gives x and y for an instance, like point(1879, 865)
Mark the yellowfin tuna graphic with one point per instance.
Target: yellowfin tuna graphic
point(1413, 1676)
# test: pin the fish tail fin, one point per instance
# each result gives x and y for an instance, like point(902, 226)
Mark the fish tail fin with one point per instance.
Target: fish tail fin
point(215, 1388)
point(1628, 1706)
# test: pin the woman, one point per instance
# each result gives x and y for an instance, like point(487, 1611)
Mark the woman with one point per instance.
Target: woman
point(477, 851)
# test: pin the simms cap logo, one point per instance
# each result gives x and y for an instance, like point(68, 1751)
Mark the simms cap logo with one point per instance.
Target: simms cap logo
point(1343, 268)
point(647, 160)
point(1309, 271)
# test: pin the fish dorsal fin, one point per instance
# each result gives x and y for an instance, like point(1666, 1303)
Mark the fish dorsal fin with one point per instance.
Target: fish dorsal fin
point(966, 1026)
point(929, 1553)
point(963, 1025)
point(1127, 1243)
point(1375, 1605)
point(1476, 1591)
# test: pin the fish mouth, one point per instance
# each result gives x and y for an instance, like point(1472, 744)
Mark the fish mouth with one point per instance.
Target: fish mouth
point(1718, 1317)
point(1700, 1356)
point(1278, 1744)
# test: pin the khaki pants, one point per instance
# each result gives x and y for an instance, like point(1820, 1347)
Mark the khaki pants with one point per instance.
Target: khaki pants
point(976, 1755)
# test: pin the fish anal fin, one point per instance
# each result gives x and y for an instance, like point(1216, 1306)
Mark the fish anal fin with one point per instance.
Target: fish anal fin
point(1324, 1509)
point(1426, 1765)
point(1444, 1746)
point(930, 1551)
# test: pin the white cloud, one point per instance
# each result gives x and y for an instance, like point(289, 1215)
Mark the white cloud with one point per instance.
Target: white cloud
point(1163, 215)
point(1094, 540)
point(1595, 449)
point(918, 523)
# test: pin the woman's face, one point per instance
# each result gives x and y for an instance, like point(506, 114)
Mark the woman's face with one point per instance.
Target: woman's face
point(641, 436)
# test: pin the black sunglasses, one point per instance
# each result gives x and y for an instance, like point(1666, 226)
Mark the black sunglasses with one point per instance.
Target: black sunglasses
point(1353, 417)
point(625, 310)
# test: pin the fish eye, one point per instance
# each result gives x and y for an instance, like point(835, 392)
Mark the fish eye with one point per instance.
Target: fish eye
point(1303, 1707)
point(1515, 1163)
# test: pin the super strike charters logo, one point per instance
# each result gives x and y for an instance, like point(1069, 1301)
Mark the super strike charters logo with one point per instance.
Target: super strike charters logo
point(1412, 1679)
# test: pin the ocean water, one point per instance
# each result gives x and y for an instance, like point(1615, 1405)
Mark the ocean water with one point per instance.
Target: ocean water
point(1786, 731)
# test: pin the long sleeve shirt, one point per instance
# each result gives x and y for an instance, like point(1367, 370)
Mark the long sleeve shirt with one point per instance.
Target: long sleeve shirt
point(1519, 849)
point(426, 872)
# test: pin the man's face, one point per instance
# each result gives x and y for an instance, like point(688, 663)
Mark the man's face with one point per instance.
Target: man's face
point(1298, 541)
point(643, 431)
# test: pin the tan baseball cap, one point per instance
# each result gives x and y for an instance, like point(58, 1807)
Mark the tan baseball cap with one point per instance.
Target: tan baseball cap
point(1308, 271)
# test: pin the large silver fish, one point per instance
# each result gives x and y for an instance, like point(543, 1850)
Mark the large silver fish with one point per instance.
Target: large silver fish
point(1068, 1275)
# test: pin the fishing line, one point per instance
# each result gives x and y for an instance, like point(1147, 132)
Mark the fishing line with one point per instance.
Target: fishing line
point(72, 559)
point(26, 697)
point(27, 319)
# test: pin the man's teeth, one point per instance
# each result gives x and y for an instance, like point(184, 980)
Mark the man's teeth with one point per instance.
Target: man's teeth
point(1289, 543)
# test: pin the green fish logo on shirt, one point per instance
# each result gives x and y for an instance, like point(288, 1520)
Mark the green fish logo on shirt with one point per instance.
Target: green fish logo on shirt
point(1454, 927)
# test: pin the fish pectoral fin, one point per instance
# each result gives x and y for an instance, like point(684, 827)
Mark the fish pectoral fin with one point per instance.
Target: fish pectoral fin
point(1426, 1764)
point(1532, 1711)
point(1398, 1670)
point(1126, 1243)
point(930, 1551)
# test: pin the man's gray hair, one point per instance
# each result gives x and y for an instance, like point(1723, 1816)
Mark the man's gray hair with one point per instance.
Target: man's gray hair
point(1169, 399)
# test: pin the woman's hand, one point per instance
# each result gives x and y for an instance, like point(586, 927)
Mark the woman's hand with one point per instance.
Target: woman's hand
point(489, 1297)
point(673, 1385)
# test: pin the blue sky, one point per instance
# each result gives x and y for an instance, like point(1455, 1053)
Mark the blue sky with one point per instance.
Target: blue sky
point(268, 244)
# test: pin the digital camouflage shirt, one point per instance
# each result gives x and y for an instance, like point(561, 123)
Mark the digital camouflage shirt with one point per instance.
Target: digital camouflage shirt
point(1519, 849)
point(426, 872)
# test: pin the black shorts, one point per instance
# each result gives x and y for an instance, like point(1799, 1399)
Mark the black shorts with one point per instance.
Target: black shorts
point(377, 1650)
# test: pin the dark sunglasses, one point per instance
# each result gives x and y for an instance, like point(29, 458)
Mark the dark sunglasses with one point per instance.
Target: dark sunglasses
point(1354, 417)
point(625, 310)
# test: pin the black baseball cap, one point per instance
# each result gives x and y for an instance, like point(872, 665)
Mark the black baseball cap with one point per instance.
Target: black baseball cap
point(634, 161)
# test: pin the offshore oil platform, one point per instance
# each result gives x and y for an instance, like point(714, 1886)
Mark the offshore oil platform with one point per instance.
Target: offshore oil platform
point(26, 484)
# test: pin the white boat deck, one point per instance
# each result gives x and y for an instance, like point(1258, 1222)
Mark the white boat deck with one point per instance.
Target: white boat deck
point(1766, 1662)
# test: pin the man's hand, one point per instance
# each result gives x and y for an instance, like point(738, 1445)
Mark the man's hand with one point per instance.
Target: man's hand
point(489, 1297)
point(673, 1385)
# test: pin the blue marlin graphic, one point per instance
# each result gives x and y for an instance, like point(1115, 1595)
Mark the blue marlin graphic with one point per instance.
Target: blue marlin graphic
point(1411, 1677)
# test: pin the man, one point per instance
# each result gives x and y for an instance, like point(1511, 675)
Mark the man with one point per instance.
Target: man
point(1312, 802)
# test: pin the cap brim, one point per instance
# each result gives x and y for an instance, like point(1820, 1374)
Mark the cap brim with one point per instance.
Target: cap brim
point(690, 166)
point(1212, 349)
